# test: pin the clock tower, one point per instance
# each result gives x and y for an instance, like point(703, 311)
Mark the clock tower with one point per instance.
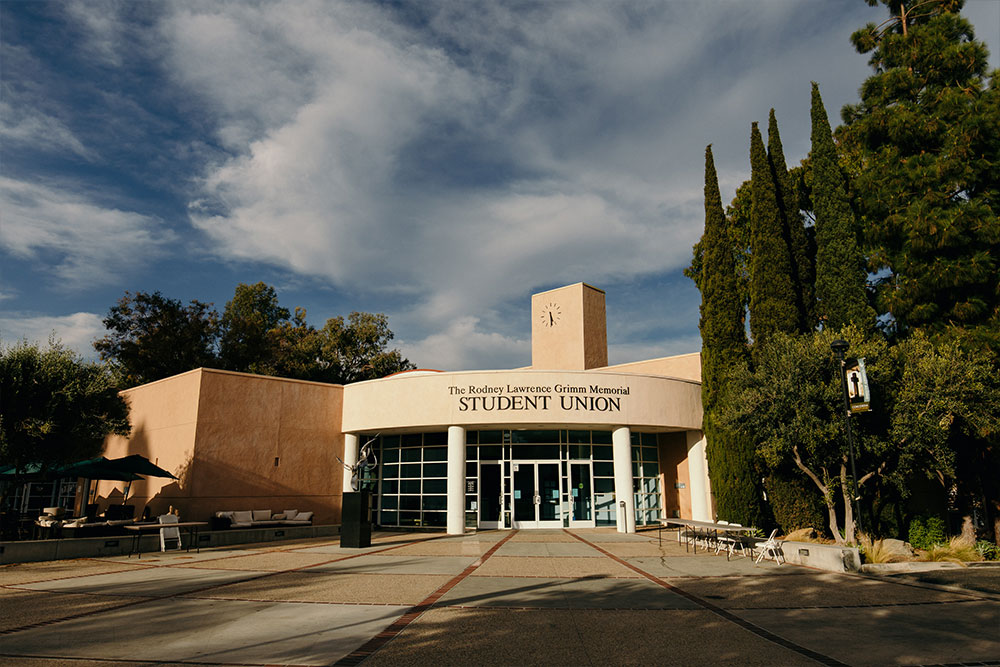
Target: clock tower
point(569, 329)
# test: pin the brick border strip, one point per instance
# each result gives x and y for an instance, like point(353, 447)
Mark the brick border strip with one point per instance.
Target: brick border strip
point(719, 611)
point(381, 639)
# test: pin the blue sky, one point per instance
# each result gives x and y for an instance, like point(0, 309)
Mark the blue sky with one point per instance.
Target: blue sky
point(435, 161)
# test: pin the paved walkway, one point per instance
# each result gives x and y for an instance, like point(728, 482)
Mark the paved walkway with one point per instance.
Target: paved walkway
point(581, 597)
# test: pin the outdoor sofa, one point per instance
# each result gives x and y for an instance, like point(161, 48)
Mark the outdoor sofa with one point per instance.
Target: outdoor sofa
point(259, 519)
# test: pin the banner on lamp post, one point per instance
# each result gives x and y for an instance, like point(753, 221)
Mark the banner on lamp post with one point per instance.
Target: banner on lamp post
point(858, 396)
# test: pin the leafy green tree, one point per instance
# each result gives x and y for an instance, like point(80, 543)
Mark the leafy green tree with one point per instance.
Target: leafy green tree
point(787, 196)
point(929, 400)
point(923, 150)
point(245, 343)
point(356, 349)
point(55, 408)
point(773, 294)
point(151, 337)
point(841, 277)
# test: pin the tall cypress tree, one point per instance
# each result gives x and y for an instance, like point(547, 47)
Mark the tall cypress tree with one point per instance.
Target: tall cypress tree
point(773, 296)
point(803, 271)
point(731, 459)
point(840, 264)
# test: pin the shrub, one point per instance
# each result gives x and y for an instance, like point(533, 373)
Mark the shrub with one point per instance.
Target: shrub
point(987, 550)
point(957, 550)
point(926, 531)
point(796, 503)
point(875, 551)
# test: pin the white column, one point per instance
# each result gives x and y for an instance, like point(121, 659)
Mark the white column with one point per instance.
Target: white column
point(350, 458)
point(621, 441)
point(456, 480)
point(701, 503)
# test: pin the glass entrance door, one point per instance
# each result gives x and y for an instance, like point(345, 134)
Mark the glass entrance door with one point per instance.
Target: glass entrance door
point(490, 495)
point(582, 499)
point(536, 492)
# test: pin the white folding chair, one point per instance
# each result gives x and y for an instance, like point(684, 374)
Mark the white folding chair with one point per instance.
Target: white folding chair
point(772, 546)
point(171, 535)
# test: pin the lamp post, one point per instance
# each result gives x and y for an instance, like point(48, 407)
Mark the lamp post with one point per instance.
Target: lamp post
point(839, 348)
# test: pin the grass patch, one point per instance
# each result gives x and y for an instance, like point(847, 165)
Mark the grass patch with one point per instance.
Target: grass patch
point(958, 550)
point(875, 551)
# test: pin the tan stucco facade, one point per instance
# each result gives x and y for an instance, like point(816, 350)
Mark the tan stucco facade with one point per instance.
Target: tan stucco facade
point(236, 441)
point(240, 441)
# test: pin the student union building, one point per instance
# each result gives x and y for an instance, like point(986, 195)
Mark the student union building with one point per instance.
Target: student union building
point(566, 442)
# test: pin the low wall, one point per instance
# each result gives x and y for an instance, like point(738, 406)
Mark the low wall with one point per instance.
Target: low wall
point(28, 551)
point(822, 556)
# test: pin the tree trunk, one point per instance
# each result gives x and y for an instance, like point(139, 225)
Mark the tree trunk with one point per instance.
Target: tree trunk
point(848, 506)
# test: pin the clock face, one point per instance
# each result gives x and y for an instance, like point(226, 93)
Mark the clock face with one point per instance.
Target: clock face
point(550, 315)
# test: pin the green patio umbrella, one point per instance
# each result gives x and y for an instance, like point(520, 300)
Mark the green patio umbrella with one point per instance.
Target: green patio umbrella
point(139, 465)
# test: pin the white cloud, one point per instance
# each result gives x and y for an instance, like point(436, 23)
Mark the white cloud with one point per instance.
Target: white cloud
point(27, 125)
point(76, 331)
point(84, 243)
point(461, 345)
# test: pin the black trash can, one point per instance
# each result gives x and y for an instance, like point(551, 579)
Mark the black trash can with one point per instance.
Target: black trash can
point(356, 520)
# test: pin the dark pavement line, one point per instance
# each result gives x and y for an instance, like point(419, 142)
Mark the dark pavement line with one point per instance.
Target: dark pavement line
point(705, 604)
point(397, 626)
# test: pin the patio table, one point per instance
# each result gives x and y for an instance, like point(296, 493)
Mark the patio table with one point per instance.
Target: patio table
point(137, 529)
point(706, 526)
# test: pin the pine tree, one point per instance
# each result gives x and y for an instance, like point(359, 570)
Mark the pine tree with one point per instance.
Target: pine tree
point(803, 271)
point(923, 148)
point(731, 459)
point(773, 296)
point(840, 265)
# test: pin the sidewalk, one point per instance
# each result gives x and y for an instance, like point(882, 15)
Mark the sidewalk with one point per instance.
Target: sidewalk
point(591, 597)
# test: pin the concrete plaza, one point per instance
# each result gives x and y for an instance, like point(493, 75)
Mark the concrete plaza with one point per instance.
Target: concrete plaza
point(591, 597)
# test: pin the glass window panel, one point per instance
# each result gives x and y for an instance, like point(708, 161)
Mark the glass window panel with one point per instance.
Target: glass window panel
point(390, 441)
point(471, 469)
point(650, 469)
point(649, 440)
point(635, 469)
point(490, 453)
point(390, 502)
point(390, 455)
point(436, 469)
point(650, 485)
point(409, 518)
point(390, 486)
point(468, 503)
point(601, 437)
point(409, 486)
point(389, 518)
point(471, 453)
point(635, 453)
point(579, 451)
point(633, 438)
point(490, 437)
point(604, 485)
point(649, 454)
point(602, 453)
point(579, 437)
point(435, 518)
point(604, 509)
point(409, 470)
point(410, 454)
point(435, 502)
point(534, 436)
point(435, 453)
point(471, 437)
point(435, 486)
point(535, 451)
point(409, 502)
point(390, 471)
point(411, 440)
point(435, 439)
point(604, 469)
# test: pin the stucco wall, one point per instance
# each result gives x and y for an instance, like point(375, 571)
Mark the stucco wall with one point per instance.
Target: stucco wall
point(221, 432)
point(164, 417)
point(684, 366)
point(420, 401)
point(247, 424)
